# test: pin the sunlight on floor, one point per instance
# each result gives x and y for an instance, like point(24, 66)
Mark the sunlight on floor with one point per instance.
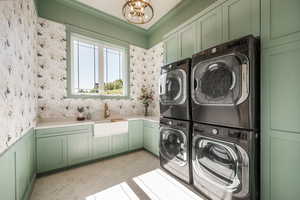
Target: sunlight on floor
point(160, 186)
point(121, 191)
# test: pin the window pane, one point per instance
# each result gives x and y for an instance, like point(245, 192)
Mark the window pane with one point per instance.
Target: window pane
point(113, 72)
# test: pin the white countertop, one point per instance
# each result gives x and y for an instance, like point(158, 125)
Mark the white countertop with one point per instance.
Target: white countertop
point(56, 123)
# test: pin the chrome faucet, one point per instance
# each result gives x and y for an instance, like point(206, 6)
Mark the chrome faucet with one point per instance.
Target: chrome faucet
point(106, 111)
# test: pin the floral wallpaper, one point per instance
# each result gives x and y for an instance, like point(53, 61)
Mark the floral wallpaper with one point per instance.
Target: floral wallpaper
point(18, 68)
point(52, 72)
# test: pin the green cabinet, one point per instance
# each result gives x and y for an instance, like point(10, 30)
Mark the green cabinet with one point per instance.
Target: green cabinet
point(280, 122)
point(151, 137)
point(119, 143)
point(187, 38)
point(136, 136)
point(280, 22)
point(240, 18)
point(209, 29)
point(7, 176)
point(51, 153)
point(171, 48)
point(101, 147)
point(79, 147)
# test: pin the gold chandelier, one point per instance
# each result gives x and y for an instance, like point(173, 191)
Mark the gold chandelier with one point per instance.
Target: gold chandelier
point(138, 11)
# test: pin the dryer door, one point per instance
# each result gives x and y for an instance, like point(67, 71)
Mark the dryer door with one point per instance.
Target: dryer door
point(173, 145)
point(173, 87)
point(221, 81)
point(221, 165)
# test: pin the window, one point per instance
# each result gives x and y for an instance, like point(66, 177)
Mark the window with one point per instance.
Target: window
point(98, 68)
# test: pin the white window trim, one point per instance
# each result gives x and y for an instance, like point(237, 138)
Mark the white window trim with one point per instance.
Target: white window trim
point(101, 45)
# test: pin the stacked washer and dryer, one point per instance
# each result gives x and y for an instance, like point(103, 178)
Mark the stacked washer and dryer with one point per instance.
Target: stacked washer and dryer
point(210, 120)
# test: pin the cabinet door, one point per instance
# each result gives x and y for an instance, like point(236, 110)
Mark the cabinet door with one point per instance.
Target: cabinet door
point(79, 148)
point(120, 143)
point(209, 29)
point(148, 138)
point(241, 18)
point(51, 153)
point(7, 176)
point(101, 147)
point(156, 134)
point(135, 130)
point(280, 22)
point(171, 48)
point(280, 123)
point(187, 44)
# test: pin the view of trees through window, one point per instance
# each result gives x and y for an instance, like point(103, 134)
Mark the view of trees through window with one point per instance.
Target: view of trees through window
point(97, 69)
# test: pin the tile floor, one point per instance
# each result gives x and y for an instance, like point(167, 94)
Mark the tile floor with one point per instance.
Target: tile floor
point(81, 182)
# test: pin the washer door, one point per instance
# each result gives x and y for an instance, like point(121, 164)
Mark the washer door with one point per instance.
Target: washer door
point(222, 81)
point(221, 164)
point(173, 145)
point(173, 87)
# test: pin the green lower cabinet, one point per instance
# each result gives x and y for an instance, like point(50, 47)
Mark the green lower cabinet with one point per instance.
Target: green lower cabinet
point(7, 176)
point(101, 147)
point(119, 143)
point(135, 131)
point(151, 137)
point(79, 148)
point(51, 153)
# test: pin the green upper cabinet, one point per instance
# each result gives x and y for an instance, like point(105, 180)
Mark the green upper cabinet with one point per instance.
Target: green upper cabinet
point(171, 48)
point(241, 18)
point(7, 176)
point(135, 131)
point(280, 122)
point(209, 29)
point(187, 44)
point(79, 147)
point(51, 153)
point(280, 21)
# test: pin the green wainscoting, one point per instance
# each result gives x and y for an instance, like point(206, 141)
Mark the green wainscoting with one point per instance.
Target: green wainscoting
point(224, 21)
point(17, 169)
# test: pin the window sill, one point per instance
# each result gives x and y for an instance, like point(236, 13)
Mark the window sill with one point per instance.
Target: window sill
point(80, 96)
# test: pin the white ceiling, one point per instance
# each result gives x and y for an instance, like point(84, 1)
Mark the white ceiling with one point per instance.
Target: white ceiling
point(114, 8)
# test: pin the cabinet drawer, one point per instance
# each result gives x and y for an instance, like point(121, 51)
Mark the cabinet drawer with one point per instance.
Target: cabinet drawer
point(63, 131)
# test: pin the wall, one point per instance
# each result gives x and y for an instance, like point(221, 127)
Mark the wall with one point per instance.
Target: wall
point(52, 101)
point(18, 66)
point(77, 14)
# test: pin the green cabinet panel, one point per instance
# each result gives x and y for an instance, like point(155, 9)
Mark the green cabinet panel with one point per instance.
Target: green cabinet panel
point(101, 147)
point(79, 148)
point(148, 138)
point(151, 137)
point(280, 21)
point(285, 165)
point(171, 48)
point(51, 153)
point(119, 143)
point(284, 70)
point(280, 143)
point(241, 18)
point(135, 131)
point(209, 29)
point(7, 176)
point(187, 38)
